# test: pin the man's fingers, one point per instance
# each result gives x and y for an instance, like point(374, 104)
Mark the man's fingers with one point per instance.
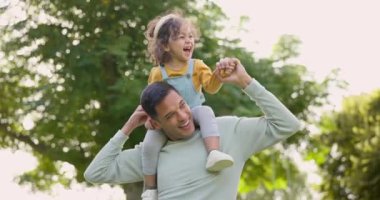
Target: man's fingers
point(226, 68)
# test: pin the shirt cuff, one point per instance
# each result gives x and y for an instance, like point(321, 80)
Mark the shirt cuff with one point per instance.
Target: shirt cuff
point(254, 89)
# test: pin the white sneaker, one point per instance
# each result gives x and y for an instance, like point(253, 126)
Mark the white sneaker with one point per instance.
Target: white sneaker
point(217, 161)
point(149, 195)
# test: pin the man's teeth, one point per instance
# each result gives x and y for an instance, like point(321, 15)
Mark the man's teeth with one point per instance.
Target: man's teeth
point(185, 124)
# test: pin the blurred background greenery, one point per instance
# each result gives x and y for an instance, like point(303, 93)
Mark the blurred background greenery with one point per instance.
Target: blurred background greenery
point(71, 73)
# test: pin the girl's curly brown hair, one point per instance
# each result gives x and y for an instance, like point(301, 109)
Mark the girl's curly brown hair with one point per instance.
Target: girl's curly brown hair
point(169, 30)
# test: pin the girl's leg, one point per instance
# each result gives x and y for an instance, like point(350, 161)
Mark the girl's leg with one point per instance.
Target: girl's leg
point(205, 117)
point(152, 144)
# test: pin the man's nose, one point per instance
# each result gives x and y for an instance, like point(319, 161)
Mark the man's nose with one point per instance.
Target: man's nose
point(182, 115)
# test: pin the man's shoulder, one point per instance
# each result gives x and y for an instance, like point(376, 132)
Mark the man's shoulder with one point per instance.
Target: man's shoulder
point(227, 120)
point(227, 117)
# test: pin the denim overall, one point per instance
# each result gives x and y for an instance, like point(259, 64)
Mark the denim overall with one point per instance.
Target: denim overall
point(185, 86)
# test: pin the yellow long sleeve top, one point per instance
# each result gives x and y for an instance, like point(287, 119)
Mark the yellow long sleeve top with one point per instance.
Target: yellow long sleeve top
point(203, 77)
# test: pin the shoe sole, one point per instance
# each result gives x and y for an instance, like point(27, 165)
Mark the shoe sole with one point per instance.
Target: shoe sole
point(218, 166)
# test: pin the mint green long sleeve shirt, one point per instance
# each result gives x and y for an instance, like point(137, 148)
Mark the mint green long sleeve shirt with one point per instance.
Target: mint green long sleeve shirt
point(181, 168)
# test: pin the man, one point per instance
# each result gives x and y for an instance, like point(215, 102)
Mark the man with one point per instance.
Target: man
point(181, 172)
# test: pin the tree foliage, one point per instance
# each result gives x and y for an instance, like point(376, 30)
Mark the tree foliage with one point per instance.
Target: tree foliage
point(351, 166)
point(75, 69)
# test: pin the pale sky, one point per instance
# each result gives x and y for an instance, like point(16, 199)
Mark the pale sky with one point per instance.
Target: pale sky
point(334, 33)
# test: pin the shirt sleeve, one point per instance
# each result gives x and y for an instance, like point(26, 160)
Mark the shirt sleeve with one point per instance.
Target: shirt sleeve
point(154, 75)
point(112, 165)
point(207, 79)
point(255, 134)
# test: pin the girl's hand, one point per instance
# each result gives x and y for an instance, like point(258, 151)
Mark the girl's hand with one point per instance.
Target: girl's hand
point(227, 70)
point(238, 75)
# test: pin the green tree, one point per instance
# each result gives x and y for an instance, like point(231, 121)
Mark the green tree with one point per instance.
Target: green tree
point(350, 168)
point(76, 69)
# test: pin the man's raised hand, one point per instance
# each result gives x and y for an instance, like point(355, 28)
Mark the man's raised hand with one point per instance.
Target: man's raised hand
point(138, 118)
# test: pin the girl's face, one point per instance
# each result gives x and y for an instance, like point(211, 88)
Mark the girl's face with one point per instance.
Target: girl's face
point(181, 47)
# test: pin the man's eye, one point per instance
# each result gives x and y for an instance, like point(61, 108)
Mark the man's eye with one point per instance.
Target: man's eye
point(169, 116)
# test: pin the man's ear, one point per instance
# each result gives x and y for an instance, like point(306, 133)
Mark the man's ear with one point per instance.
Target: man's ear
point(156, 124)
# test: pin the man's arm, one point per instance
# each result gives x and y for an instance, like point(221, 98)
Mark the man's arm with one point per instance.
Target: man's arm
point(255, 134)
point(111, 164)
point(277, 124)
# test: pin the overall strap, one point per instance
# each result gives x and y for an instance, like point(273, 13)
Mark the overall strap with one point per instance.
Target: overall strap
point(163, 73)
point(190, 69)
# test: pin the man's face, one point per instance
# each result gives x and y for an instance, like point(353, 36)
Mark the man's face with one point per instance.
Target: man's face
point(174, 117)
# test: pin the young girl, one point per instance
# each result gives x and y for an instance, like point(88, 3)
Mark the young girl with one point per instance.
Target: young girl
point(171, 42)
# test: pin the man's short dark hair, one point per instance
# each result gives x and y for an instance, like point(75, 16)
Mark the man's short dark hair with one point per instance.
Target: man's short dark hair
point(153, 94)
